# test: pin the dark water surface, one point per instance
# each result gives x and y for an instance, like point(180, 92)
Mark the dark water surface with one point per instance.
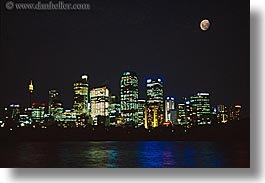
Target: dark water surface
point(146, 154)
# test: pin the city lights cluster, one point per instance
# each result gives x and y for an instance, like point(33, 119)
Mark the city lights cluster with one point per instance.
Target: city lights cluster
point(98, 107)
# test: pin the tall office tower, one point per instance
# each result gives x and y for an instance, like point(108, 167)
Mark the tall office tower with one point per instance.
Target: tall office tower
point(221, 113)
point(37, 112)
point(191, 113)
point(81, 96)
point(99, 100)
point(201, 103)
point(56, 110)
point(170, 110)
point(155, 96)
point(114, 110)
point(234, 112)
point(182, 117)
point(151, 116)
point(129, 98)
point(30, 92)
point(53, 96)
point(141, 109)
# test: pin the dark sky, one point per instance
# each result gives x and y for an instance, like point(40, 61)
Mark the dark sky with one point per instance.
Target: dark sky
point(154, 38)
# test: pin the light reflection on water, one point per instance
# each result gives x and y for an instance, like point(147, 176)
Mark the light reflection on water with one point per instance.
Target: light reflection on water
point(146, 154)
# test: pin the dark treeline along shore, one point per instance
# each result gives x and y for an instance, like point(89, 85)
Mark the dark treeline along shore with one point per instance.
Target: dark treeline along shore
point(234, 131)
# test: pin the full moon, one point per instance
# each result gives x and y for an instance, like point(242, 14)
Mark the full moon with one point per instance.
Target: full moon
point(205, 24)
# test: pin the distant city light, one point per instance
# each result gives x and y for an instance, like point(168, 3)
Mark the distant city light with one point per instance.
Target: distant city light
point(215, 110)
point(85, 77)
point(149, 80)
point(203, 94)
point(159, 80)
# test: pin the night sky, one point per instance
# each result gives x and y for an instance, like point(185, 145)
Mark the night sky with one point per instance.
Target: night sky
point(151, 37)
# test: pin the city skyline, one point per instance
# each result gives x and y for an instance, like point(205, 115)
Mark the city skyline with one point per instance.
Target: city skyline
point(33, 96)
point(30, 92)
point(98, 106)
point(154, 39)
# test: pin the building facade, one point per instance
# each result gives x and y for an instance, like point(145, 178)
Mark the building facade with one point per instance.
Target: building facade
point(99, 103)
point(37, 112)
point(221, 113)
point(200, 103)
point(114, 110)
point(81, 96)
point(170, 110)
point(151, 116)
point(53, 95)
point(129, 98)
point(141, 111)
point(155, 97)
point(182, 115)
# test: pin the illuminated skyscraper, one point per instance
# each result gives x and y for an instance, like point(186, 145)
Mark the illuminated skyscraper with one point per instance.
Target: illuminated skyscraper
point(221, 113)
point(37, 112)
point(53, 95)
point(81, 96)
point(114, 110)
point(201, 103)
point(155, 96)
point(129, 98)
point(182, 116)
point(56, 110)
point(170, 110)
point(99, 98)
point(141, 109)
point(151, 116)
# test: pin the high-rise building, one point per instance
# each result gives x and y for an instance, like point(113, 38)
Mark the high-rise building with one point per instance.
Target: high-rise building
point(155, 96)
point(151, 116)
point(234, 112)
point(201, 103)
point(37, 112)
point(141, 109)
point(81, 96)
point(191, 113)
point(99, 100)
point(221, 113)
point(56, 110)
point(182, 117)
point(129, 98)
point(170, 110)
point(53, 95)
point(114, 110)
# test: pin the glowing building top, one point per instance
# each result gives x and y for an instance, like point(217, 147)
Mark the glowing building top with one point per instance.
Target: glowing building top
point(31, 86)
